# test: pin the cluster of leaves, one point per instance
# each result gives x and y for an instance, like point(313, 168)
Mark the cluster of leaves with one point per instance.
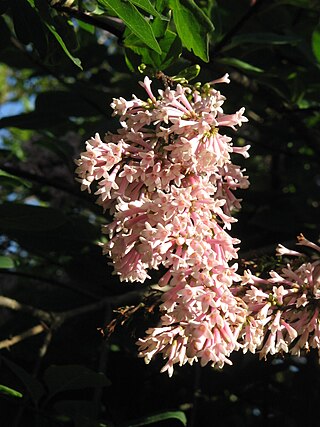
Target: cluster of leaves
point(61, 63)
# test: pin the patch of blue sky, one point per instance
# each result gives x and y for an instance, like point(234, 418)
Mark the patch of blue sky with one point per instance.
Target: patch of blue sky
point(13, 108)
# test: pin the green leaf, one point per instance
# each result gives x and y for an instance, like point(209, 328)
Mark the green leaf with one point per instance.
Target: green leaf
point(133, 60)
point(169, 415)
point(316, 43)
point(171, 50)
point(85, 26)
point(193, 27)
point(12, 180)
point(16, 216)
point(33, 386)
point(72, 377)
point(134, 21)
point(9, 391)
point(6, 262)
point(147, 7)
point(242, 65)
point(53, 30)
point(188, 74)
point(159, 26)
point(263, 38)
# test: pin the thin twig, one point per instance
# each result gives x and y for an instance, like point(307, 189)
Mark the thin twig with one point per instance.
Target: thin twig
point(15, 305)
point(55, 319)
point(35, 330)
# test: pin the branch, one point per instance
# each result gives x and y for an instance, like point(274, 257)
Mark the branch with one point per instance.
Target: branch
point(110, 24)
point(12, 304)
point(36, 330)
point(55, 319)
point(40, 180)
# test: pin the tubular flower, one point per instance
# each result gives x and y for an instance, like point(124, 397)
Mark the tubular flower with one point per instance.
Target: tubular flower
point(168, 179)
point(283, 310)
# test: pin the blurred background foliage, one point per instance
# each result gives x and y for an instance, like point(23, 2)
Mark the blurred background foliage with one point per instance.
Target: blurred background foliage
point(61, 63)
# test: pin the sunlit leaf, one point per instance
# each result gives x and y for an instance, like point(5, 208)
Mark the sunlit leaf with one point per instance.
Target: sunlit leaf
point(12, 180)
point(188, 73)
point(316, 43)
point(85, 26)
point(134, 21)
point(193, 27)
point(147, 6)
point(171, 50)
point(6, 262)
point(9, 391)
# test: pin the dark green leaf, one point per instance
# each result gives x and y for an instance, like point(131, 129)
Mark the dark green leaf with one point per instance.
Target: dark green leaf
point(75, 408)
point(238, 63)
point(316, 43)
point(30, 218)
point(134, 21)
point(193, 27)
point(59, 39)
point(72, 377)
point(12, 180)
point(33, 386)
point(9, 391)
point(28, 25)
point(171, 48)
point(133, 60)
point(169, 415)
point(66, 30)
point(263, 39)
point(6, 262)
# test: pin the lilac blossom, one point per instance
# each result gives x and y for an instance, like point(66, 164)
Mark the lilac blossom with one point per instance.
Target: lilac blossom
point(168, 179)
point(283, 310)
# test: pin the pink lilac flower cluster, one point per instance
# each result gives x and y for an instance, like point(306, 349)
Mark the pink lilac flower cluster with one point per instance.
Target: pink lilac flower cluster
point(168, 179)
point(283, 310)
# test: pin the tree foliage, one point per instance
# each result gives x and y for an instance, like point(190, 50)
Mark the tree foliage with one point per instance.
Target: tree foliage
point(61, 63)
